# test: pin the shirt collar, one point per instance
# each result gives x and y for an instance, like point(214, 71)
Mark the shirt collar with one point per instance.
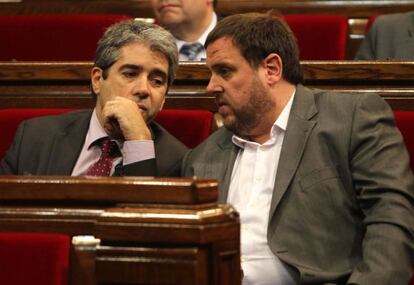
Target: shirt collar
point(280, 125)
point(203, 37)
point(283, 118)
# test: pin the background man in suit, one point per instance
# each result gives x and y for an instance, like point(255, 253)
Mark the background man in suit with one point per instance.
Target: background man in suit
point(134, 66)
point(321, 180)
point(189, 21)
point(391, 37)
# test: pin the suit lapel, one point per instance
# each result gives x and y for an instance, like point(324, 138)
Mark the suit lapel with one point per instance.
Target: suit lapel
point(67, 145)
point(230, 157)
point(220, 162)
point(408, 50)
point(298, 131)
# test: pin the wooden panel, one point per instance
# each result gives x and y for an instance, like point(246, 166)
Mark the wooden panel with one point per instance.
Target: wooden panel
point(127, 190)
point(134, 208)
point(66, 84)
point(141, 242)
point(149, 265)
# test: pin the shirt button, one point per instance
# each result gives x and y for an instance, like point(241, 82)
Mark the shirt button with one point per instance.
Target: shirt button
point(258, 178)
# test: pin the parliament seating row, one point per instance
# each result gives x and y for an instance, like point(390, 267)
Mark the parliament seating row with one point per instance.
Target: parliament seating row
point(52, 37)
point(356, 12)
point(67, 85)
point(142, 8)
point(118, 256)
point(143, 231)
point(190, 126)
point(74, 37)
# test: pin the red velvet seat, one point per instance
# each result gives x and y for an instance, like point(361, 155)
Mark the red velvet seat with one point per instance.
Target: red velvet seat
point(34, 258)
point(189, 126)
point(52, 37)
point(320, 37)
point(405, 122)
point(11, 118)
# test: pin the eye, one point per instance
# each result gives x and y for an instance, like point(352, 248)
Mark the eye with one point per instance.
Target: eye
point(224, 72)
point(158, 81)
point(129, 74)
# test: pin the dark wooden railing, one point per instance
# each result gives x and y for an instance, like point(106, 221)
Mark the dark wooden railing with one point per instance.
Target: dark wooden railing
point(143, 230)
point(67, 84)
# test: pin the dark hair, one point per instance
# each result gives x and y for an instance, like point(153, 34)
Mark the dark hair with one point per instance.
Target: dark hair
point(257, 35)
point(215, 3)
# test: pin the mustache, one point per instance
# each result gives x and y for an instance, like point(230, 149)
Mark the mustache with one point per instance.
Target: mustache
point(219, 99)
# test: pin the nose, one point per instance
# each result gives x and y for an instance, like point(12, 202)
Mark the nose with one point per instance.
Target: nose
point(213, 85)
point(141, 88)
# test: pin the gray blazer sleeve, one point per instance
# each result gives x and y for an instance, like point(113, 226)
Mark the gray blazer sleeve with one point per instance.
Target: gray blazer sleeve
point(391, 37)
point(385, 192)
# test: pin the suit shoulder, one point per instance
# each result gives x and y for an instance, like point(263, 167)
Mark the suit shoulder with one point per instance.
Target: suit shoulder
point(345, 100)
point(221, 138)
point(393, 19)
point(52, 122)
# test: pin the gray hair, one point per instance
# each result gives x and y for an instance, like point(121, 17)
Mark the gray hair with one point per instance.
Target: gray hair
point(125, 32)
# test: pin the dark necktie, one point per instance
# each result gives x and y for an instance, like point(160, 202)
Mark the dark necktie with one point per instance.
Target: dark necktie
point(104, 165)
point(191, 50)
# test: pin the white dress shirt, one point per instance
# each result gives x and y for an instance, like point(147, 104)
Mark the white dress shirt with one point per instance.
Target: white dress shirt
point(250, 192)
point(202, 54)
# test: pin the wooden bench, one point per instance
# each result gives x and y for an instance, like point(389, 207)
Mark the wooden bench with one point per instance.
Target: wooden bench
point(67, 84)
point(142, 230)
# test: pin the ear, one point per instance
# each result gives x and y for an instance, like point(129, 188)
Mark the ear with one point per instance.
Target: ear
point(209, 2)
point(273, 66)
point(96, 77)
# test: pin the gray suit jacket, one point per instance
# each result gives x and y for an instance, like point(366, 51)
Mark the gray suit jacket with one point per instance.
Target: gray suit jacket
point(51, 145)
point(391, 37)
point(342, 207)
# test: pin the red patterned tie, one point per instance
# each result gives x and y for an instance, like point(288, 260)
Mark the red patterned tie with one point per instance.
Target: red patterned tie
point(104, 165)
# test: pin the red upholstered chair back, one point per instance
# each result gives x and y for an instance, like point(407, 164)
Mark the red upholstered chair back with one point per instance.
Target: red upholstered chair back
point(189, 126)
point(52, 37)
point(320, 37)
point(370, 22)
point(11, 118)
point(34, 258)
point(405, 122)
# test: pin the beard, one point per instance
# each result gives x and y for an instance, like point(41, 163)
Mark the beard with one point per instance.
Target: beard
point(243, 119)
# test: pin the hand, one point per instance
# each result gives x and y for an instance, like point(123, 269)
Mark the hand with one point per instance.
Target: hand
point(122, 118)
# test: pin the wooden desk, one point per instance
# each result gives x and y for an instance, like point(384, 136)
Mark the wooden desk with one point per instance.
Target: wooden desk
point(167, 231)
point(66, 84)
